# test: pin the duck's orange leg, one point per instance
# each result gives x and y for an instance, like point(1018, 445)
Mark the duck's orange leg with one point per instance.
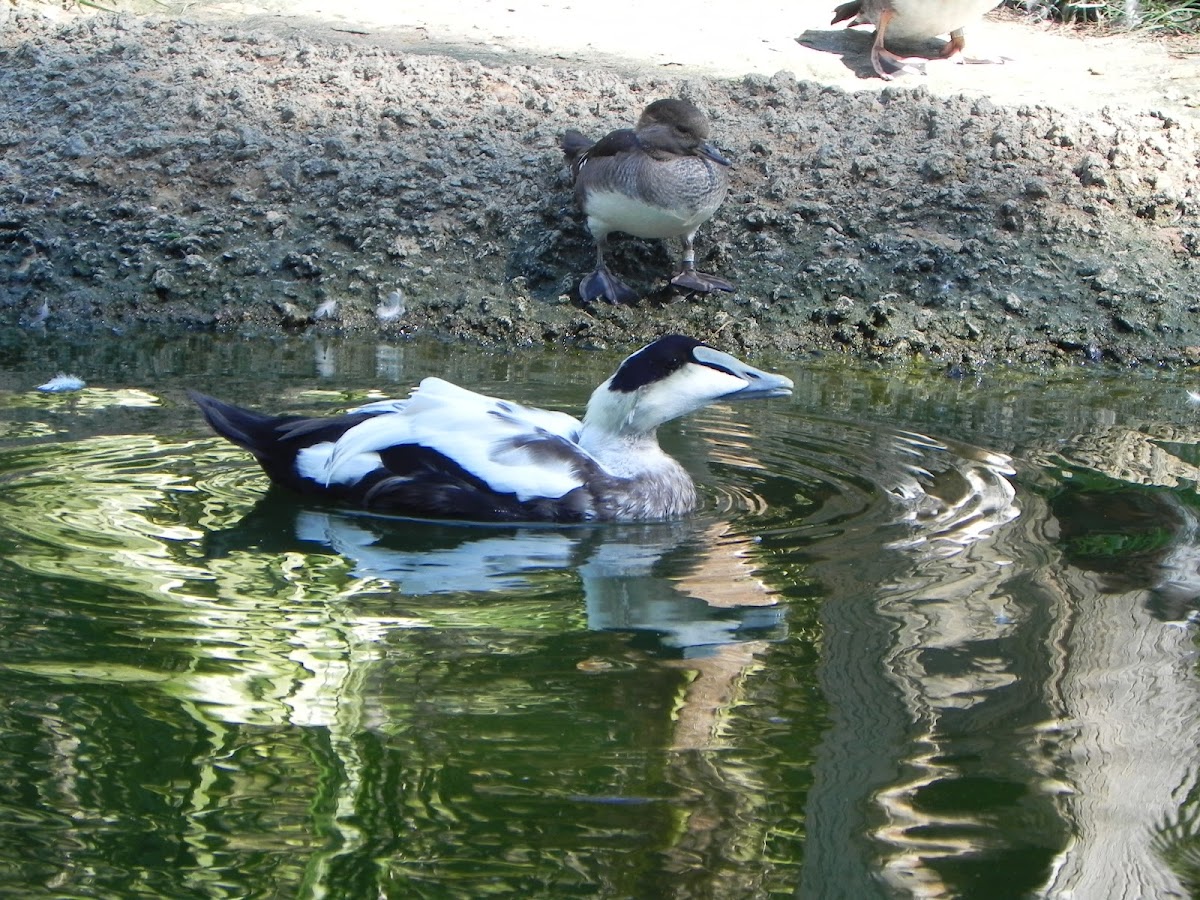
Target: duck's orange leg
point(884, 61)
point(956, 44)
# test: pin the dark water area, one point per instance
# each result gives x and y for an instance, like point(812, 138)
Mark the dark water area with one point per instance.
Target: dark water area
point(927, 636)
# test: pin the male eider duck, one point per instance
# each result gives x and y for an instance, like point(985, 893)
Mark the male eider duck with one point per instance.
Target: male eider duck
point(658, 180)
point(447, 452)
point(908, 20)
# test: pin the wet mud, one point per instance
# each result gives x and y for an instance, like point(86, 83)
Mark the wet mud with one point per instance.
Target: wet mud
point(210, 175)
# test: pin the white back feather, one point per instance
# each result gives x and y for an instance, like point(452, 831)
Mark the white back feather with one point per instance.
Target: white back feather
point(486, 436)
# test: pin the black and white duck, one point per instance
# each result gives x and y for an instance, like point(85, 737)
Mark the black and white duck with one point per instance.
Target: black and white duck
point(450, 453)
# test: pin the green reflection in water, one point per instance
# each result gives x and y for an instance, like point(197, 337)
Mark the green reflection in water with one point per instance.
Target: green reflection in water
point(209, 717)
point(878, 662)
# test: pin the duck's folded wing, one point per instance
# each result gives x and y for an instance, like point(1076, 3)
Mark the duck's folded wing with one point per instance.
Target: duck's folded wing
point(436, 397)
point(620, 141)
point(512, 449)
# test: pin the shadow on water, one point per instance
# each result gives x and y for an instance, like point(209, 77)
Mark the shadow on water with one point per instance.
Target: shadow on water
point(925, 637)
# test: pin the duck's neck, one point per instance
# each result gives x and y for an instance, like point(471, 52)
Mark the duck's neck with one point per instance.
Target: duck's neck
point(626, 455)
point(651, 484)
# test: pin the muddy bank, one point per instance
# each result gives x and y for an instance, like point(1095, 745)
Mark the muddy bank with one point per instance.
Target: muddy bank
point(206, 175)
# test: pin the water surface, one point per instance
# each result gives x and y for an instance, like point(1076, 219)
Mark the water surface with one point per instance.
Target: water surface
point(927, 637)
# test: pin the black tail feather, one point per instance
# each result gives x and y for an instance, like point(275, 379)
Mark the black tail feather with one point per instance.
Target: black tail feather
point(275, 441)
point(250, 430)
point(574, 145)
point(850, 10)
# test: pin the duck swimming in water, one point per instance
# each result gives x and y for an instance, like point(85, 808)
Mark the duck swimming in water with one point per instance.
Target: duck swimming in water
point(661, 179)
point(447, 452)
point(909, 20)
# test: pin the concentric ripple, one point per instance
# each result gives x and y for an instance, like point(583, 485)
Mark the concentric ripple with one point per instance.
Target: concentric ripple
point(898, 594)
point(820, 479)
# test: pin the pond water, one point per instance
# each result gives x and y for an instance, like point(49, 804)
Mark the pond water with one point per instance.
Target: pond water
point(927, 637)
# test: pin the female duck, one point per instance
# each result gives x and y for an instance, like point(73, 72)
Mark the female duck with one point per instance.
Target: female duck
point(661, 179)
point(909, 20)
point(447, 452)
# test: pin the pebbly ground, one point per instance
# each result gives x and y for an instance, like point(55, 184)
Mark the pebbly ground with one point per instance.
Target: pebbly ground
point(222, 173)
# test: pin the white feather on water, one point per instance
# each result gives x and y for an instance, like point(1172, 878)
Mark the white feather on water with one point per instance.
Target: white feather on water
point(61, 384)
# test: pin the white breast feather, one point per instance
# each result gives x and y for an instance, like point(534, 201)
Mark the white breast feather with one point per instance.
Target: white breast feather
point(613, 211)
point(474, 430)
point(915, 20)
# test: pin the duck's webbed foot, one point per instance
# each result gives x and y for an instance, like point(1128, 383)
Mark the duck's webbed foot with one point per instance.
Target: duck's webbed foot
point(690, 279)
point(604, 285)
point(955, 50)
point(887, 64)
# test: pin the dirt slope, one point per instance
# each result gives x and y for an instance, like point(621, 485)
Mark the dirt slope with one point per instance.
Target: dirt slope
point(239, 168)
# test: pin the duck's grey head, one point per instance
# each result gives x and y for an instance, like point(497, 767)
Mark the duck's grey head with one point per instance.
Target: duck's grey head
point(676, 126)
point(671, 377)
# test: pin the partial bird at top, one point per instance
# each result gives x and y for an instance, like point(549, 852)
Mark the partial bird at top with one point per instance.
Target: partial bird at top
point(908, 20)
point(661, 179)
point(449, 453)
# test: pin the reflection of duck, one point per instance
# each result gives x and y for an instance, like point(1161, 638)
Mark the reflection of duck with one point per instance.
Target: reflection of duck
point(681, 586)
point(912, 20)
point(447, 452)
point(659, 180)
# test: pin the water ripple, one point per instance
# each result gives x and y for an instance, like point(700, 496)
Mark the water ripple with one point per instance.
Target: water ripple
point(893, 584)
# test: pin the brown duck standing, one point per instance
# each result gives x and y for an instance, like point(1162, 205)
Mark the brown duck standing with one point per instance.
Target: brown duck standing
point(661, 179)
point(912, 20)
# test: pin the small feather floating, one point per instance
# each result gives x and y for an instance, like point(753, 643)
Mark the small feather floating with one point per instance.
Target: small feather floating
point(61, 384)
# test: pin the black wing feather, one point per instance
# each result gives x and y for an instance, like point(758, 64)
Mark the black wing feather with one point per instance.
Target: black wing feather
point(412, 480)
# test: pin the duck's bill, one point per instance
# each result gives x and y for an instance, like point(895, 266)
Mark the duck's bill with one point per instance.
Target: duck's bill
point(760, 385)
point(714, 154)
point(778, 386)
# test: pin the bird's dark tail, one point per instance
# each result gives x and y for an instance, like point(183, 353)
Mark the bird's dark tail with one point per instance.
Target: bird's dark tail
point(574, 145)
point(250, 430)
point(846, 11)
point(276, 441)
